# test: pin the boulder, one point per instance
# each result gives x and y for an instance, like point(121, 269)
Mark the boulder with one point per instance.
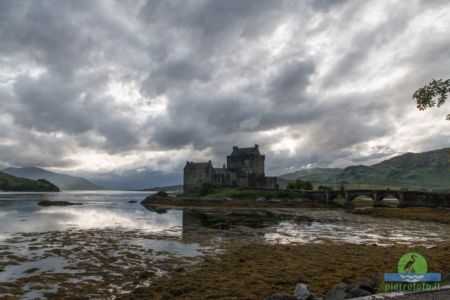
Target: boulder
point(301, 292)
point(358, 292)
point(368, 288)
point(346, 291)
point(339, 292)
point(370, 285)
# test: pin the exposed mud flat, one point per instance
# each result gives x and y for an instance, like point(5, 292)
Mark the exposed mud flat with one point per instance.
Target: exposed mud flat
point(89, 263)
point(257, 270)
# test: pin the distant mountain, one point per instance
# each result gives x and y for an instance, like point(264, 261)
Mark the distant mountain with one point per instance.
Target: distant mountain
point(426, 170)
point(10, 183)
point(63, 181)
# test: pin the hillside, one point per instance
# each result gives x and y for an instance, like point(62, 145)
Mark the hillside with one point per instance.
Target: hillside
point(63, 181)
point(427, 170)
point(9, 183)
point(313, 174)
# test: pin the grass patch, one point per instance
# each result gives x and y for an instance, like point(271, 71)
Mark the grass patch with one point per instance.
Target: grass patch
point(209, 191)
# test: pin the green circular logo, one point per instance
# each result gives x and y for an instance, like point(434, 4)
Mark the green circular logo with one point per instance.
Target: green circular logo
point(412, 262)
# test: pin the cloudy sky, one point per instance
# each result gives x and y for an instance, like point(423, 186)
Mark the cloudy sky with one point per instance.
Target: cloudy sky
point(127, 91)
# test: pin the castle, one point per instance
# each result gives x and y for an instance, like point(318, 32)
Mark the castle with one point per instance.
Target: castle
point(245, 168)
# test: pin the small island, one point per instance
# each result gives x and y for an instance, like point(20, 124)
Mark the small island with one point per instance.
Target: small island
point(47, 203)
point(9, 183)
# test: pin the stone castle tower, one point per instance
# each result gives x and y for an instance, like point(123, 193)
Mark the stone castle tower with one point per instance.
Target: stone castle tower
point(245, 168)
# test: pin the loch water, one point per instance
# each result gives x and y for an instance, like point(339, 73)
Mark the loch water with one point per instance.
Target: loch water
point(111, 244)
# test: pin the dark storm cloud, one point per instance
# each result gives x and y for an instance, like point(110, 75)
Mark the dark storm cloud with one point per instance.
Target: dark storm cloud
point(326, 5)
point(198, 120)
point(174, 74)
point(365, 42)
point(69, 41)
point(291, 82)
point(329, 77)
point(213, 19)
point(49, 32)
point(50, 104)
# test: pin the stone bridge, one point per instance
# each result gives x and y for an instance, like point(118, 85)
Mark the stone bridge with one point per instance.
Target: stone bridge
point(405, 198)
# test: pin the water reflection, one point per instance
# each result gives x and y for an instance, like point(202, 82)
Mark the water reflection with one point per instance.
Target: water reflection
point(313, 226)
point(378, 233)
point(52, 264)
point(21, 213)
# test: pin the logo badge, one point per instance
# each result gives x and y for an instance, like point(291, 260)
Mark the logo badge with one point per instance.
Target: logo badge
point(412, 275)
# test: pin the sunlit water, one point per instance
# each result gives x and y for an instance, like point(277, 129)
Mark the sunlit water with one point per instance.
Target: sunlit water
point(340, 226)
point(20, 212)
point(113, 243)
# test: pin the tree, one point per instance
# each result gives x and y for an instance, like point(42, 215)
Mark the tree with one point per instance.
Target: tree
point(324, 188)
point(300, 185)
point(307, 185)
point(433, 94)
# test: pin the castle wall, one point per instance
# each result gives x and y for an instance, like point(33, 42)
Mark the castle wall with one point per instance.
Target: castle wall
point(262, 182)
point(196, 174)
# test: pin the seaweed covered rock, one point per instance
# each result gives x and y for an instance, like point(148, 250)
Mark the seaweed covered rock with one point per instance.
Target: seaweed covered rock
point(343, 291)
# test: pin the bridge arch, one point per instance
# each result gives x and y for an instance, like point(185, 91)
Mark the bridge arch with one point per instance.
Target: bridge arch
point(377, 196)
point(384, 194)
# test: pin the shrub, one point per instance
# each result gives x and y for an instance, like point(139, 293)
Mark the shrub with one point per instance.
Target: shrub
point(208, 188)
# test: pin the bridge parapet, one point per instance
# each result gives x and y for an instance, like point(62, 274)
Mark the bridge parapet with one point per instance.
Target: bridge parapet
point(405, 198)
point(424, 199)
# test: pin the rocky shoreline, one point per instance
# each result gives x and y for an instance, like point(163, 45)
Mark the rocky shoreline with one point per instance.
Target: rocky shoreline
point(340, 291)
